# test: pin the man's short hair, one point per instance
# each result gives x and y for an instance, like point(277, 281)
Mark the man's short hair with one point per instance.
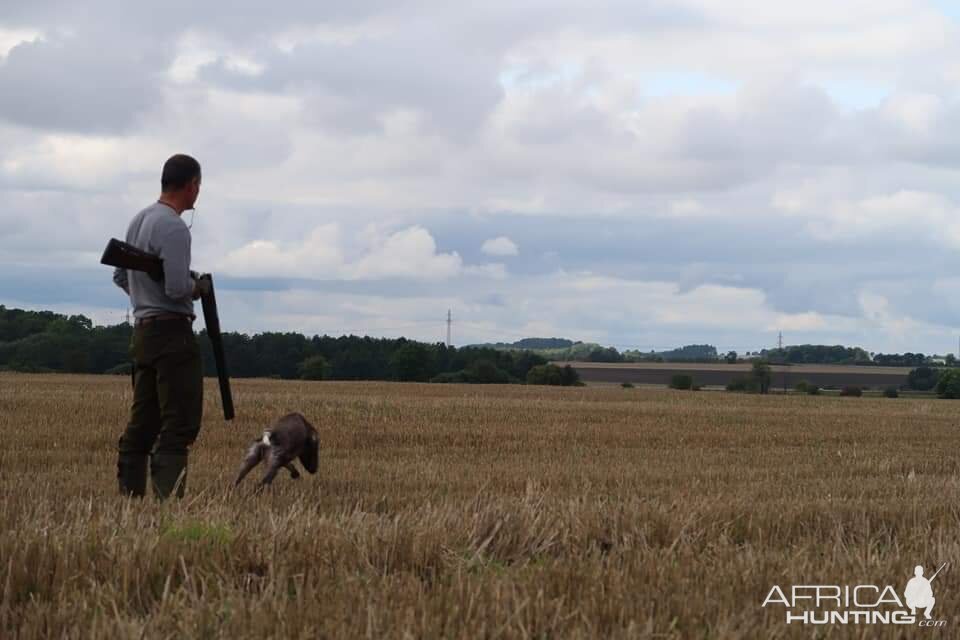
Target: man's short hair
point(178, 171)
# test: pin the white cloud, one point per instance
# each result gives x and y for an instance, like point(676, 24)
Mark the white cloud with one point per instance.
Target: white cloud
point(319, 256)
point(917, 113)
point(495, 270)
point(686, 207)
point(500, 246)
point(809, 321)
point(930, 217)
point(9, 38)
point(409, 253)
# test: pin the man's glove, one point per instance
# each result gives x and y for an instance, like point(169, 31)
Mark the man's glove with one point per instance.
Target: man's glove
point(201, 287)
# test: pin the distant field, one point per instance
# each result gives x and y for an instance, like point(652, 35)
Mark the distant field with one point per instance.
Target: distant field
point(450, 511)
point(720, 374)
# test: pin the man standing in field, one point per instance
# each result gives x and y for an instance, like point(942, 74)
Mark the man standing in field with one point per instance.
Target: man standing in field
point(168, 375)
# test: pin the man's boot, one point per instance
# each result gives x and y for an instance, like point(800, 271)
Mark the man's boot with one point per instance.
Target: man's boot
point(132, 474)
point(168, 473)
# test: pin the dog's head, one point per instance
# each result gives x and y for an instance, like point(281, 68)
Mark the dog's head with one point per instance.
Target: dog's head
point(310, 454)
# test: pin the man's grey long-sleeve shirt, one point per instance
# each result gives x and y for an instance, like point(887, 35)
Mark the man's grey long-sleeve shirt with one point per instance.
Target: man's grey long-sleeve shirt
point(160, 231)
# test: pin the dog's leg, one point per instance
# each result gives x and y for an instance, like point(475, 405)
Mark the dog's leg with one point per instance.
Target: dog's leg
point(275, 461)
point(293, 471)
point(254, 456)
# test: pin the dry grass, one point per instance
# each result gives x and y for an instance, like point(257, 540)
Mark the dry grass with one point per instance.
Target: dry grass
point(465, 512)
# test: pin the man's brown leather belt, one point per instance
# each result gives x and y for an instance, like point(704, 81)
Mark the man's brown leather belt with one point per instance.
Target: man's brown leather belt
point(163, 317)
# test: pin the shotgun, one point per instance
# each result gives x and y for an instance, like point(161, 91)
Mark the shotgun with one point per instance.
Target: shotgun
point(938, 571)
point(212, 319)
point(126, 256)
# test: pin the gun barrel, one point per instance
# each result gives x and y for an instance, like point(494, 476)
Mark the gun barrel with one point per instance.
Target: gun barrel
point(212, 319)
point(938, 571)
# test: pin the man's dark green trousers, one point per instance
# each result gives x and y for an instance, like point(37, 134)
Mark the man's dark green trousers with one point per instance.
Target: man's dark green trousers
point(167, 408)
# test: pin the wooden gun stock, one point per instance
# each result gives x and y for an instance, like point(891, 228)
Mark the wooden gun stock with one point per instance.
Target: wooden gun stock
point(126, 256)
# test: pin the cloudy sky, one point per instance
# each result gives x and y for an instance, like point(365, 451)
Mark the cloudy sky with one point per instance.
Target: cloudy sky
point(644, 174)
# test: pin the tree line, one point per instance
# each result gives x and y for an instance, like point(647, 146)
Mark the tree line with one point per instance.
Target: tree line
point(43, 341)
point(559, 349)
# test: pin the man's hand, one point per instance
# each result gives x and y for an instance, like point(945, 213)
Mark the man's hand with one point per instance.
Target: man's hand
point(201, 287)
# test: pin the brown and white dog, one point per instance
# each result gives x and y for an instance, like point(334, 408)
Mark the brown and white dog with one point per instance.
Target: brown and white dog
point(289, 438)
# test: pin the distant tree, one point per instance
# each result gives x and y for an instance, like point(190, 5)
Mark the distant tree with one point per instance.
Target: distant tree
point(545, 374)
point(550, 374)
point(761, 376)
point(681, 381)
point(523, 361)
point(314, 368)
point(411, 362)
point(851, 391)
point(691, 353)
point(569, 377)
point(485, 372)
point(922, 378)
point(120, 370)
point(731, 357)
point(75, 360)
point(900, 360)
point(741, 383)
point(450, 377)
point(948, 384)
point(891, 392)
point(604, 354)
point(819, 354)
point(757, 381)
point(543, 343)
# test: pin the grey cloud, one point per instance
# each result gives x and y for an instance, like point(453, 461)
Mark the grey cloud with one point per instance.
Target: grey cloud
point(566, 141)
point(938, 146)
point(773, 123)
point(48, 286)
point(797, 272)
point(242, 144)
point(239, 19)
point(418, 67)
point(491, 25)
point(492, 299)
point(86, 83)
point(918, 298)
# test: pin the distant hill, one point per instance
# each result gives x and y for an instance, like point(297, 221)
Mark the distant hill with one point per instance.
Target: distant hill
point(530, 344)
point(688, 353)
point(577, 351)
point(559, 349)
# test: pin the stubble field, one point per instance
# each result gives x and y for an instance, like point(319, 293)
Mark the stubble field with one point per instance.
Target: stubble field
point(476, 512)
